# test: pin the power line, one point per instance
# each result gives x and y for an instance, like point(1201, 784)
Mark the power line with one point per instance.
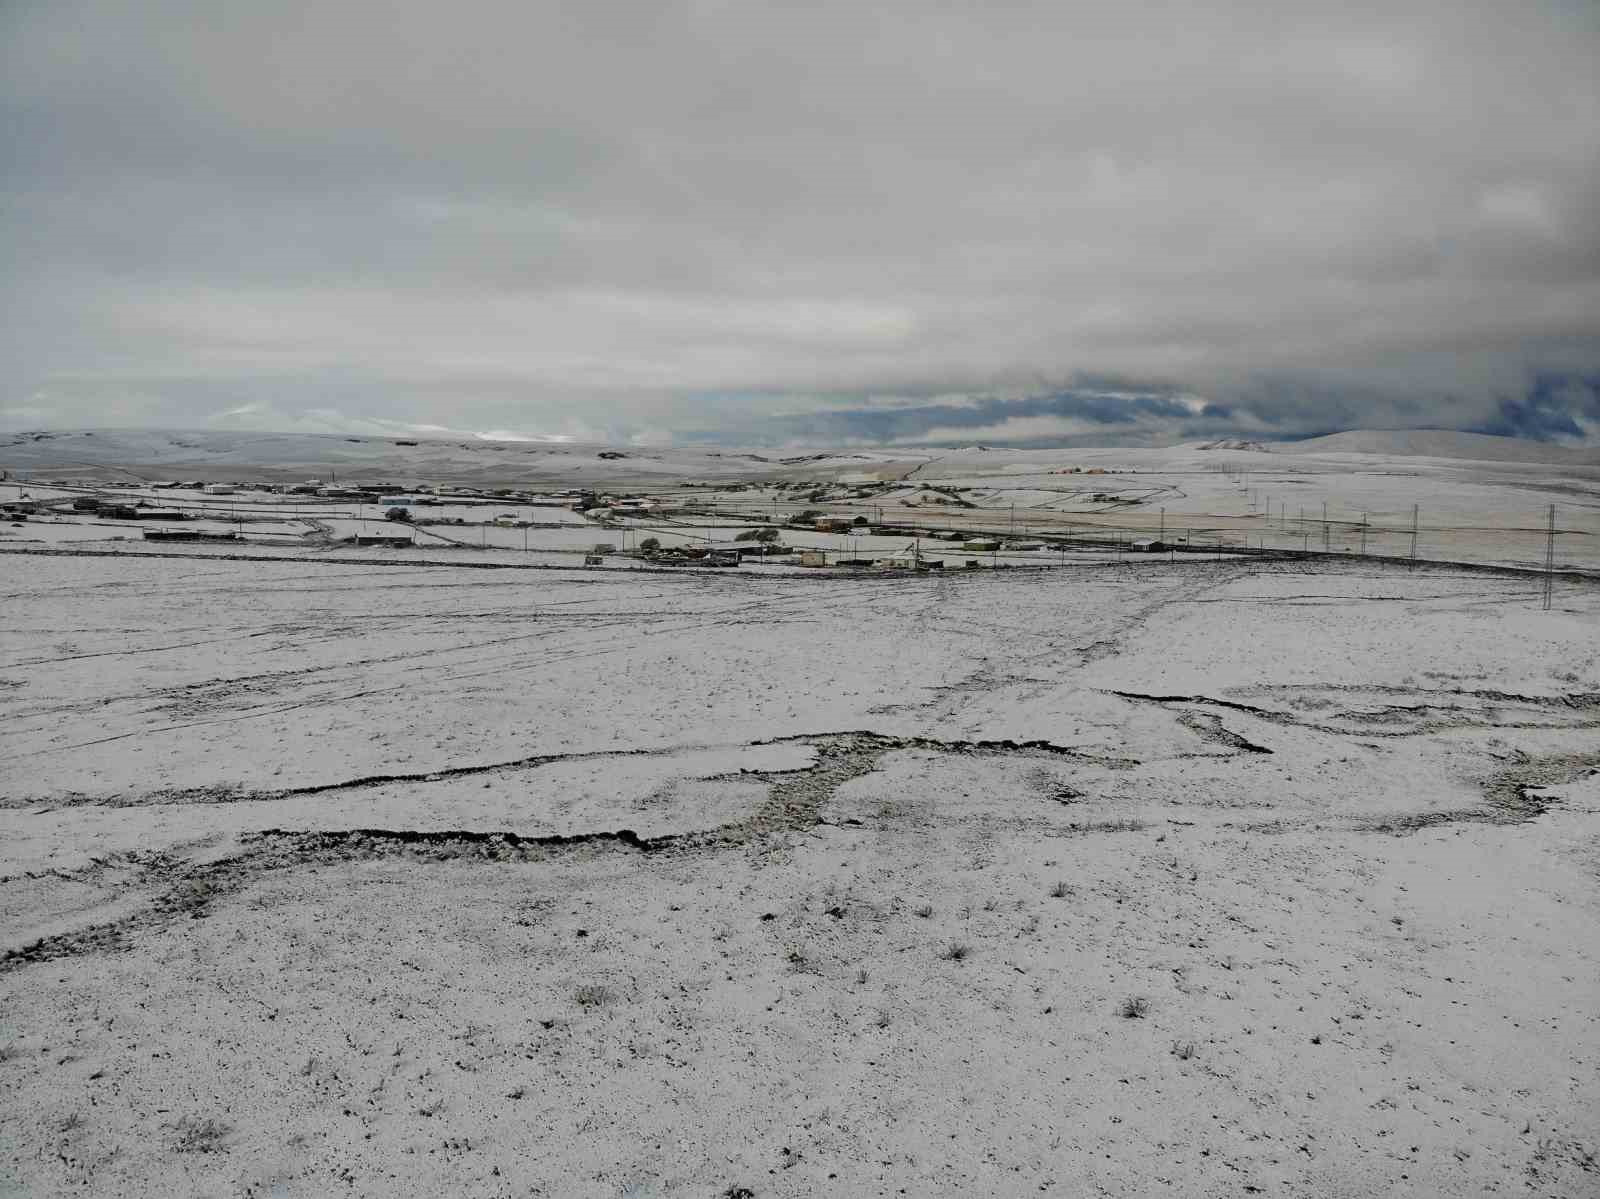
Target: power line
point(1550, 557)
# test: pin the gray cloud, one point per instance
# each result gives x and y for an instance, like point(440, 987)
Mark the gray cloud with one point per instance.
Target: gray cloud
point(745, 221)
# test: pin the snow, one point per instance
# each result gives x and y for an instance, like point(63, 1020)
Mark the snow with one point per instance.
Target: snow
point(420, 878)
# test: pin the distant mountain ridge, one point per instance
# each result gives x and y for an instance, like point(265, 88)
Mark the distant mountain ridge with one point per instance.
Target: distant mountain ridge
point(213, 455)
point(1441, 443)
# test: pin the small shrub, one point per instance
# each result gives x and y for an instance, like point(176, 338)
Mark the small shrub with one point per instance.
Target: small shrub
point(1183, 1050)
point(1134, 1007)
point(650, 544)
point(592, 995)
point(956, 951)
point(861, 977)
point(193, 1134)
point(1060, 891)
point(923, 910)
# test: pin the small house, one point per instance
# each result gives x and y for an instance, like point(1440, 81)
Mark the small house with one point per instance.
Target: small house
point(1147, 545)
point(979, 545)
point(813, 558)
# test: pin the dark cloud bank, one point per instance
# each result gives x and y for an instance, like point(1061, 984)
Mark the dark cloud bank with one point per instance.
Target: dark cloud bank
point(1011, 223)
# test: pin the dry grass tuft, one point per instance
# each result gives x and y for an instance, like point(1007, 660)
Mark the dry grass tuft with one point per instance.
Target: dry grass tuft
point(200, 1134)
point(593, 995)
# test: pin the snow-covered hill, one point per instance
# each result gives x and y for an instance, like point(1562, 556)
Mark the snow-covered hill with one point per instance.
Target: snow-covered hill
point(215, 455)
point(1441, 443)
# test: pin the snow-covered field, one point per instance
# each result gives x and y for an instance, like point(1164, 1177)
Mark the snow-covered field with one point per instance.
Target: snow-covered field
point(463, 869)
point(1199, 878)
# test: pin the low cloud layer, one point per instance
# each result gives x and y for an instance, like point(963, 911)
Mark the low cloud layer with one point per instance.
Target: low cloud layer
point(1006, 222)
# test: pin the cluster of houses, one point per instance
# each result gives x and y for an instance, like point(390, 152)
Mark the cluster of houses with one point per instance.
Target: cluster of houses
point(113, 511)
point(401, 501)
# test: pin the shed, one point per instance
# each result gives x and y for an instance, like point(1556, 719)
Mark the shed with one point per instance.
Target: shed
point(979, 545)
point(186, 535)
point(1148, 545)
point(813, 558)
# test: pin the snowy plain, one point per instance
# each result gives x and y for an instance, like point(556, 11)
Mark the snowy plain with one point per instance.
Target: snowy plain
point(329, 873)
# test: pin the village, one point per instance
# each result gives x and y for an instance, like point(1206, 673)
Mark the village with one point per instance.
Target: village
point(690, 527)
point(978, 510)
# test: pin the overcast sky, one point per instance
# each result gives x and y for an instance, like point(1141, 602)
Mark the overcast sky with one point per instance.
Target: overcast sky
point(895, 221)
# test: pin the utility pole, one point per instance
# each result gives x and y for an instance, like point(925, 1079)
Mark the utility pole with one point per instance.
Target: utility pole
point(1363, 534)
point(1163, 536)
point(1550, 558)
point(1324, 526)
point(1414, 508)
